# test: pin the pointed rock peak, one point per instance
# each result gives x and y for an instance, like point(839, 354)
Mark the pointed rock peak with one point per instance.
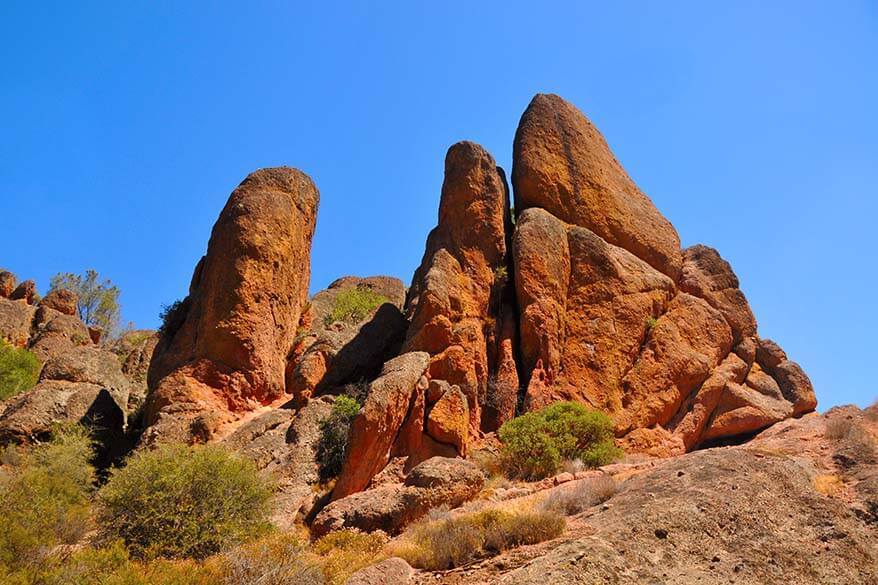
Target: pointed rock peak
point(562, 164)
point(224, 348)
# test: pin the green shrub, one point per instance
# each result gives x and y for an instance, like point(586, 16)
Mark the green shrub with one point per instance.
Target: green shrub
point(19, 370)
point(353, 304)
point(44, 497)
point(172, 317)
point(650, 323)
point(536, 443)
point(334, 429)
point(178, 501)
point(458, 540)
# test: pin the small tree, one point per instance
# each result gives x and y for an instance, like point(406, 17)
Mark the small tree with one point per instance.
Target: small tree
point(19, 370)
point(97, 302)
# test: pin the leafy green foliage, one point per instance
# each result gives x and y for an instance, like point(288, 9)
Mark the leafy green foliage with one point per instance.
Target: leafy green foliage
point(172, 317)
point(97, 302)
point(451, 542)
point(19, 370)
point(44, 497)
point(353, 304)
point(333, 444)
point(177, 501)
point(536, 443)
point(650, 323)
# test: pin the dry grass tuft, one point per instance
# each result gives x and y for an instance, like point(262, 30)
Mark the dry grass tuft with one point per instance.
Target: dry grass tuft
point(578, 496)
point(828, 485)
point(458, 540)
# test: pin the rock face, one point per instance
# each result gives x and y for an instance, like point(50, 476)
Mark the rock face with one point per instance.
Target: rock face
point(330, 353)
point(711, 517)
point(225, 350)
point(613, 314)
point(282, 443)
point(461, 304)
point(562, 164)
point(376, 427)
point(435, 482)
point(7, 283)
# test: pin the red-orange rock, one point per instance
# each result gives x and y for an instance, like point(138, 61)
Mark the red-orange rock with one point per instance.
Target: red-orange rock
point(708, 276)
point(448, 420)
point(375, 428)
point(695, 414)
point(457, 300)
point(228, 343)
point(684, 346)
point(7, 283)
point(25, 291)
point(585, 307)
point(60, 299)
point(15, 322)
point(334, 353)
point(562, 164)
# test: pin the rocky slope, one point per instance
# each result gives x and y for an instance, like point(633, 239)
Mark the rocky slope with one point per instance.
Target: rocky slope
point(579, 291)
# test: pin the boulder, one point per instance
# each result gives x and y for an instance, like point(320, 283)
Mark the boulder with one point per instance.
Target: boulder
point(61, 300)
point(375, 428)
point(55, 333)
point(460, 301)
point(392, 571)
point(16, 318)
point(134, 349)
point(448, 420)
point(435, 482)
point(331, 352)
point(7, 284)
point(26, 291)
point(561, 163)
point(225, 346)
point(83, 385)
point(706, 275)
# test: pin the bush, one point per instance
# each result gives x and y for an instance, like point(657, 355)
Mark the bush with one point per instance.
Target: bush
point(178, 501)
point(455, 541)
point(536, 443)
point(353, 304)
point(575, 497)
point(19, 370)
point(172, 317)
point(44, 497)
point(334, 429)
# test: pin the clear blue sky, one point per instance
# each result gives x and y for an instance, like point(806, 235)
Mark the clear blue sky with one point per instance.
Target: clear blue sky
point(751, 125)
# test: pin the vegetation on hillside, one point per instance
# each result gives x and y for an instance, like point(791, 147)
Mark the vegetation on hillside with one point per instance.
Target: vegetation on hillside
point(19, 370)
point(177, 501)
point(353, 304)
point(97, 301)
point(536, 444)
point(334, 429)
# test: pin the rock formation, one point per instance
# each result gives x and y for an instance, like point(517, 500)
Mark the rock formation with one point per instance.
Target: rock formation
point(225, 348)
point(614, 314)
point(329, 353)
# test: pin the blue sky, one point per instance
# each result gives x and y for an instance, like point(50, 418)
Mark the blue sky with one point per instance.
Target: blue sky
point(751, 125)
